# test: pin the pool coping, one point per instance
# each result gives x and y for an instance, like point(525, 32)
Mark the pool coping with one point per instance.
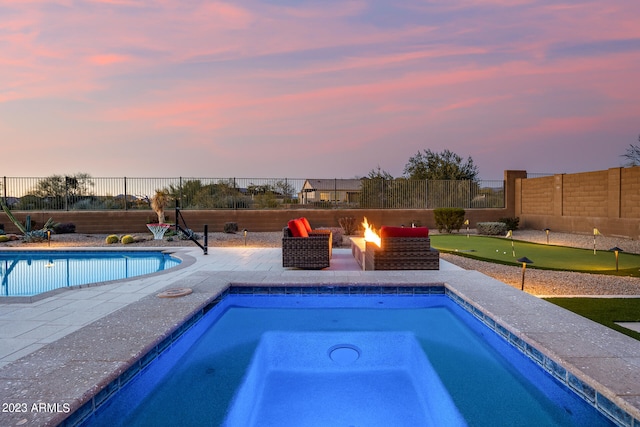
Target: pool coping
point(98, 358)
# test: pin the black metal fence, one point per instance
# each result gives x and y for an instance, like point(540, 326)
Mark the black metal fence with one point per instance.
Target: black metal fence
point(83, 192)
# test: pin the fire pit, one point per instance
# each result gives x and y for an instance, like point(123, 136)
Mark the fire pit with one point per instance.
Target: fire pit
point(395, 248)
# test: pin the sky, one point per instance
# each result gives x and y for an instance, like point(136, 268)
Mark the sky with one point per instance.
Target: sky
point(315, 89)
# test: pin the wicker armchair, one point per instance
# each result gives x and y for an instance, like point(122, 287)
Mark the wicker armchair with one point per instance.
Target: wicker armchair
point(313, 252)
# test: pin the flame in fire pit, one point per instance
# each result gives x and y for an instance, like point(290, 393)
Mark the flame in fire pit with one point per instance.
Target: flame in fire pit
point(370, 234)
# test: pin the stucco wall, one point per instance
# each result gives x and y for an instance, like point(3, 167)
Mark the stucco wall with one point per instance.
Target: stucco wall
point(119, 222)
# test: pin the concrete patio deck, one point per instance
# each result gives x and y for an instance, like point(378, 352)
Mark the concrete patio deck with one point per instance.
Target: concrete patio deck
point(63, 349)
point(26, 327)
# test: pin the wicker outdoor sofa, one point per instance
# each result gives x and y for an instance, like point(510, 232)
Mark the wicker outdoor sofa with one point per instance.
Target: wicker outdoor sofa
point(303, 247)
point(402, 249)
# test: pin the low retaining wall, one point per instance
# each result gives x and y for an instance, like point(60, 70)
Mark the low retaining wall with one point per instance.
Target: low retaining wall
point(120, 222)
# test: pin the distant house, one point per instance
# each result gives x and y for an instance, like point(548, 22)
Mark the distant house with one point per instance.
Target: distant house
point(339, 191)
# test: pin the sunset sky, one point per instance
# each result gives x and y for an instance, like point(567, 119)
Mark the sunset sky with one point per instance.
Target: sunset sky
point(322, 89)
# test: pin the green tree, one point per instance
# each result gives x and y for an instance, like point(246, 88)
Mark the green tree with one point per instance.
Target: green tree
point(373, 192)
point(187, 194)
point(440, 166)
point(228, 195)
point(69, 185)
point(285, 189)
point(194, 194)
point(379, 173)
point(633, 155)
point(376, 189)
point(59, 191)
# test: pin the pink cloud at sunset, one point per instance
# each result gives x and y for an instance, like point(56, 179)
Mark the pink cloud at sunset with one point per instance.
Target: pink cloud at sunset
point(315, 88)
point(107, 59)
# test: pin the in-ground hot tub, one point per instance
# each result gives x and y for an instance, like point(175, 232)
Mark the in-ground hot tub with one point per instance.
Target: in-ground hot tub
point(337, 378)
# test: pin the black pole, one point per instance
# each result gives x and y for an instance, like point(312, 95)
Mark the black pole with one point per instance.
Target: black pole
point(66, 194)
point(177, 211)
point(125, 193)
point(206, 239)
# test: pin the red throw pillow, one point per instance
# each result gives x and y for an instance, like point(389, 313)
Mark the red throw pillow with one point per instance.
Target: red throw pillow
point(297, 228)
point(306, 224)
point(386, 231)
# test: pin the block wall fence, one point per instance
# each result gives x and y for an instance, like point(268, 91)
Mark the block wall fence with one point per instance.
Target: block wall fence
point(608, 200)
point(574, 203)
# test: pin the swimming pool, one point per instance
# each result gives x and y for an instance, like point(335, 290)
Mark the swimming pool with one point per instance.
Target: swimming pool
point(28, 273)
point(214, 369)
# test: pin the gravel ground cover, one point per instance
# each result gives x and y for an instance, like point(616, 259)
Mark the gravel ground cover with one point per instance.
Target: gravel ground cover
point(537, 282)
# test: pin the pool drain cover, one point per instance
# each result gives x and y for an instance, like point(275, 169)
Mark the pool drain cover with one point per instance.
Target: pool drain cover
point(175, 293)
point(344, 354)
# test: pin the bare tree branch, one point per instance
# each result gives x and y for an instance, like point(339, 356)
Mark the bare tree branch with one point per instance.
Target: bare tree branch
point(633, 155)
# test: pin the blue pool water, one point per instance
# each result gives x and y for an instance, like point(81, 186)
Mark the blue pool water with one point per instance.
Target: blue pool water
point(28, 273)
point(343, 360)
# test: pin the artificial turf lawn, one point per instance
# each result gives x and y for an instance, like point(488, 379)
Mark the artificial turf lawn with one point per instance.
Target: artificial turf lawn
point(605, 311)
point(551, 257)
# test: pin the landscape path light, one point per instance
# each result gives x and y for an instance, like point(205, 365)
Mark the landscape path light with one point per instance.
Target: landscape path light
point(524, 260)
point(547, 230)
point(245, 236)
point(466, 222)
point(617, 250)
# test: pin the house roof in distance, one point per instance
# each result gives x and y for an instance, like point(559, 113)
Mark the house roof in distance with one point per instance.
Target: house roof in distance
point(331, 184)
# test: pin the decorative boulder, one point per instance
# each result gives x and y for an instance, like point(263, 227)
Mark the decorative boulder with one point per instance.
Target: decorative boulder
point(230, 227)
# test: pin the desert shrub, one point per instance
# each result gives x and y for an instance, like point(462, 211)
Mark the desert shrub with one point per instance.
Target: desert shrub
point(492, 228)
point(4, 238)
point(230, 227)
point(511, 223)
point(449, 219)
point(64, 228)
point(348, 224)
point(262, 201)
point(127, 239)
point(111, 239)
